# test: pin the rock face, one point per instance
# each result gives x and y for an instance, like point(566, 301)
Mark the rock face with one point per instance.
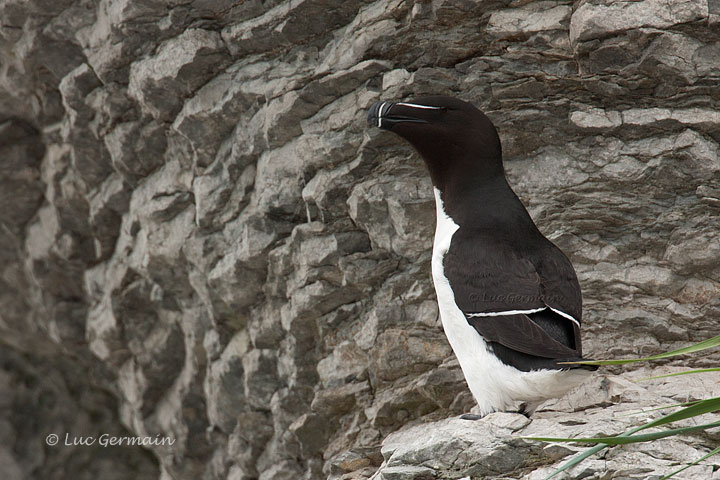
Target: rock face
point(495, 448)
point(202, 241)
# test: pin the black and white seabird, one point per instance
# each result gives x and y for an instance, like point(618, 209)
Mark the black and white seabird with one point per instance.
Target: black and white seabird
point(509, 299)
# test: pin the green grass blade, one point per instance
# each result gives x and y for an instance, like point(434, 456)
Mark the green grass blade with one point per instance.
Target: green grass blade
point(696, 408)
point(623, 440)
point(577, 459)
point(714, 452)
point(703, 406)
point(640, 412)
point(587, 453)
point(686, 372)
point(699, 408)
point(704, 345)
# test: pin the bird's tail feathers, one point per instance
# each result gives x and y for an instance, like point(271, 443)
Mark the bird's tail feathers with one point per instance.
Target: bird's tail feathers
point(562, 364)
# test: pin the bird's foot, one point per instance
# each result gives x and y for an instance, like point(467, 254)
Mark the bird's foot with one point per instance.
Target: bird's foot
point(470, 416)
point(528, 409)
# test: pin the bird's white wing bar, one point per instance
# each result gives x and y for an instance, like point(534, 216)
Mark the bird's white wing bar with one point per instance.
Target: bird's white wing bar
point(415, 105)
point(507, 312)
point(518, 312)
point(565, 315)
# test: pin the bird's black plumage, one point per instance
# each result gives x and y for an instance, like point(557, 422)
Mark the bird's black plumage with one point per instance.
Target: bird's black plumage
point(514, 286)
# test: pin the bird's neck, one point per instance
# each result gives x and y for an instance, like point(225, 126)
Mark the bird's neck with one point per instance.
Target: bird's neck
point(466, 170)
point(485, 202)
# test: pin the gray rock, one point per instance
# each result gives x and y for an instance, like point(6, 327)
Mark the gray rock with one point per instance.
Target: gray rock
point(532, 18)
point(336, 401)
point(179, 67)
point(456, 448)
point(595, 118)
point(312, 432)
point(22, 152)
point(209, 116)
point(692, 249)
point(396, 213)
point(285, 24)
point(284, 471)
point(356, 462)
point(106, 208)
point(447, 444)
point(347, 362)
point(225, 383)
point(604, 18)
point(63, 390)
point(260, 368)
point(136, 149)
point(247, 441)
point(407, 473)
point(397, 353)
point(235, 278)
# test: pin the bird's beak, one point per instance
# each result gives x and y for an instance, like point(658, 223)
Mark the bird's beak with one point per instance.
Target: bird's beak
point(380, 115)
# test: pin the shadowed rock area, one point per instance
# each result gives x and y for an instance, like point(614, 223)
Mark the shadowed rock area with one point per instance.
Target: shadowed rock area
point(201, 240)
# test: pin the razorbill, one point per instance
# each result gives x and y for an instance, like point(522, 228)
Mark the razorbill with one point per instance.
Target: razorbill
point(509, 299)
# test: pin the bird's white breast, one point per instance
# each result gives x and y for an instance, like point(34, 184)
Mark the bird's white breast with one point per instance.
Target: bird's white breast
point(494, 385)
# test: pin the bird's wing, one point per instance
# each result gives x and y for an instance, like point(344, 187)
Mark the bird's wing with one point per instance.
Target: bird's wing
point(527, 301)
point(522, 334)
point(560, 287)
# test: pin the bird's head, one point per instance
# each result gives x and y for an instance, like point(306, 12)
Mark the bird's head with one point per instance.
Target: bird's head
point(453, 137)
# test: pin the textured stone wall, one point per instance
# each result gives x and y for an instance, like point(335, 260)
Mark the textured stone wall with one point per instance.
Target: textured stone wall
point(200, 238)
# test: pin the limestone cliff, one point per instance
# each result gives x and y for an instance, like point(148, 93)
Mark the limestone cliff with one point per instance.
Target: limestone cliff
point(201, 240)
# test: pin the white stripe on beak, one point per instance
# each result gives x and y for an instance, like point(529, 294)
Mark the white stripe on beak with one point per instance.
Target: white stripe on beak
point(380, 112)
